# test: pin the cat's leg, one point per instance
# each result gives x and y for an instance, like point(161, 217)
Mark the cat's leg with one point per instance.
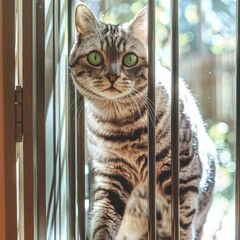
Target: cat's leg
point(104, 221)
point(204, 204)
point(189, 195)
point(134, 225)
point(205, 197)
point(187, 212)
point(189, 190)
point(111, 190)
point(106, 214)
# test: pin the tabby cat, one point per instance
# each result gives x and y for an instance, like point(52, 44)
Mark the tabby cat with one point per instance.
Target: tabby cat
point(109, 67)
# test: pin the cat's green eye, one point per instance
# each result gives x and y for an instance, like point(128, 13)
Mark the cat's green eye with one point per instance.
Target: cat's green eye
point(130, 60)
point(95, 58)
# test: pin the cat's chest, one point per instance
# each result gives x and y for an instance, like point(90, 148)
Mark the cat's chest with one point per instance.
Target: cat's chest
point(128, 142)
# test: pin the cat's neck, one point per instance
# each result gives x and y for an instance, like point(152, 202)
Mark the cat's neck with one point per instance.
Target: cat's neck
point(115, 111)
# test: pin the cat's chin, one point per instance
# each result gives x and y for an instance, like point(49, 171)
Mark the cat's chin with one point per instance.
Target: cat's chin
point(112, 94)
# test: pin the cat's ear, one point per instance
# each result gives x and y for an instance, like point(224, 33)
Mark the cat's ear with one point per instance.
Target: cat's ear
point(138, 25)
point(86, 22)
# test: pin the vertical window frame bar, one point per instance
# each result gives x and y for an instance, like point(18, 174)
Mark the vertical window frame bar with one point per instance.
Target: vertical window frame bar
point(56, 159)
point(72, 132)
point(29, 93)
point(9, 118)
point(175, 119)
point(41, 118)
point(151, 123)
point(237, 174)
point(81, 168)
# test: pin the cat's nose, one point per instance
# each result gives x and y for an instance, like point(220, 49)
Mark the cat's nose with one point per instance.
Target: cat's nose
point(112, 77)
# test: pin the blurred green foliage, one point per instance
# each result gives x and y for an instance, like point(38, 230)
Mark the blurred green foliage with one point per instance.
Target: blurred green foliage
point(206, 25)
point(223, 139)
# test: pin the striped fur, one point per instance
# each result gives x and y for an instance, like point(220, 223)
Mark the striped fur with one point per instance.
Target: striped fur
point(116, 120)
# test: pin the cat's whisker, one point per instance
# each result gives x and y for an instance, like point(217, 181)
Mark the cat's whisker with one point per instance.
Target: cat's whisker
point(70, 92)
point(79, 110)
point(148, 103)
point(137, 105)
point(150, 111)
point(134, 105)
point(117, 109)
point(149, 106)
point(72, 104)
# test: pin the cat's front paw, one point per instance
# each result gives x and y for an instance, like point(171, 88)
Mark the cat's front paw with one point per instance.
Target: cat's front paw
point(131, 229)
point(101, 234)
point(121, 236)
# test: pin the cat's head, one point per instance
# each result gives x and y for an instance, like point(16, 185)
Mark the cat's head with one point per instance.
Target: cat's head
point(109, 61)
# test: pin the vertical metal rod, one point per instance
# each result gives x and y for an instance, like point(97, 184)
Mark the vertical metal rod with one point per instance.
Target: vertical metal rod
point(151, 123)
point(175, 119)
point(29, 93)
point(9, 118)
point(81, 170)
point(41, 118)
point(237, 210)
point(54, 18)
point(72, 132)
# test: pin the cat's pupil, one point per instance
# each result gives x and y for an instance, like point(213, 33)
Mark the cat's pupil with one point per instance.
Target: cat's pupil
point(130, 60)
point(95, 58)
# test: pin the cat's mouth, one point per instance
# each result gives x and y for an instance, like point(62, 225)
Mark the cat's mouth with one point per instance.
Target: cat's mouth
point(112, 89)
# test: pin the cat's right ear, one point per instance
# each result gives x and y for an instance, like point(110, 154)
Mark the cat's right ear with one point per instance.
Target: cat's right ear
point(138, 26)
point(85, 21)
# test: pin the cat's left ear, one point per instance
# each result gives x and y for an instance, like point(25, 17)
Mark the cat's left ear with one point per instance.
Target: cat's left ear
point(138, 25)
point(86, 22)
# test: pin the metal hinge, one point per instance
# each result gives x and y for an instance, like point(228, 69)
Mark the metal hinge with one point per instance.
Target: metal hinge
point(19, 114)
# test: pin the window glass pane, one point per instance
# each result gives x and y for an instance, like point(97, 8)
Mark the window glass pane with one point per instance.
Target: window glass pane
point(56, 125)
point(207, 64)
point(207, 57)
